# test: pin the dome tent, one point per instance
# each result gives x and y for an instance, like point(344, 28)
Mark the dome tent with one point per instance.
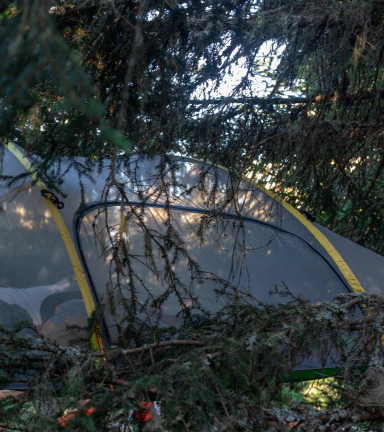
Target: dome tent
point(55, 262)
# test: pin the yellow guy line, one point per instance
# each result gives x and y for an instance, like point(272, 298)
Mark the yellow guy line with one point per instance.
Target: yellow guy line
point(79, 273)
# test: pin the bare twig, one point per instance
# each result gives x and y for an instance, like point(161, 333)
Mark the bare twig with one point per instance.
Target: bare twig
point(354, 301)
point(157, 345)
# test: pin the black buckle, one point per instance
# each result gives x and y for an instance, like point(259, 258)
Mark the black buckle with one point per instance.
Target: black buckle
point(53, 198)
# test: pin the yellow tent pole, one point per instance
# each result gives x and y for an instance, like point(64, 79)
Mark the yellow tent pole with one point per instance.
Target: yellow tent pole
point(77, 268)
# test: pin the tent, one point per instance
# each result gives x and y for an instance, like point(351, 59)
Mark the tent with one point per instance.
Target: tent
point(53, 272)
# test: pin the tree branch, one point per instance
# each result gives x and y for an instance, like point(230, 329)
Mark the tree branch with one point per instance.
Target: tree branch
point(251, 101)
point(137, 42)
point(156, 345)
point(349, 98)
point(354, 301)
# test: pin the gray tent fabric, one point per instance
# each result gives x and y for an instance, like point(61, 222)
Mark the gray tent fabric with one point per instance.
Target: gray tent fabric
point(31, 299)
point(368, 266)
point(10, 314)
point(251, 202)
point(68, 313)
point(272, 259)
point(280, 248)
point(34, 263)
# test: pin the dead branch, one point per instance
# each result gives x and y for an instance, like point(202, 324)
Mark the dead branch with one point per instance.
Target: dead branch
point(156, 345)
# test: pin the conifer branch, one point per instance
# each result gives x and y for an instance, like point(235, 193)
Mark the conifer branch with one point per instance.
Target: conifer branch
point(291, 100)
point(156, 345)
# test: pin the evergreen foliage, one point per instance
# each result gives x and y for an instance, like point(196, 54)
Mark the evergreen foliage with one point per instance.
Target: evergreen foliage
point(109, 80)
point(230, 372)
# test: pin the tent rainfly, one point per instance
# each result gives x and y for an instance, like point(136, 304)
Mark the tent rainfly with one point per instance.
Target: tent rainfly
point(53, 272)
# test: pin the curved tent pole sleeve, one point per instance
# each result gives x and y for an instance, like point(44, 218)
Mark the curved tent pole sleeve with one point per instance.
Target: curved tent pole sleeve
point(77, 268)
point(319, 236)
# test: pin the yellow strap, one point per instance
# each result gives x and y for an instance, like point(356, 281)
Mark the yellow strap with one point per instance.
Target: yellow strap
point(79, 273)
